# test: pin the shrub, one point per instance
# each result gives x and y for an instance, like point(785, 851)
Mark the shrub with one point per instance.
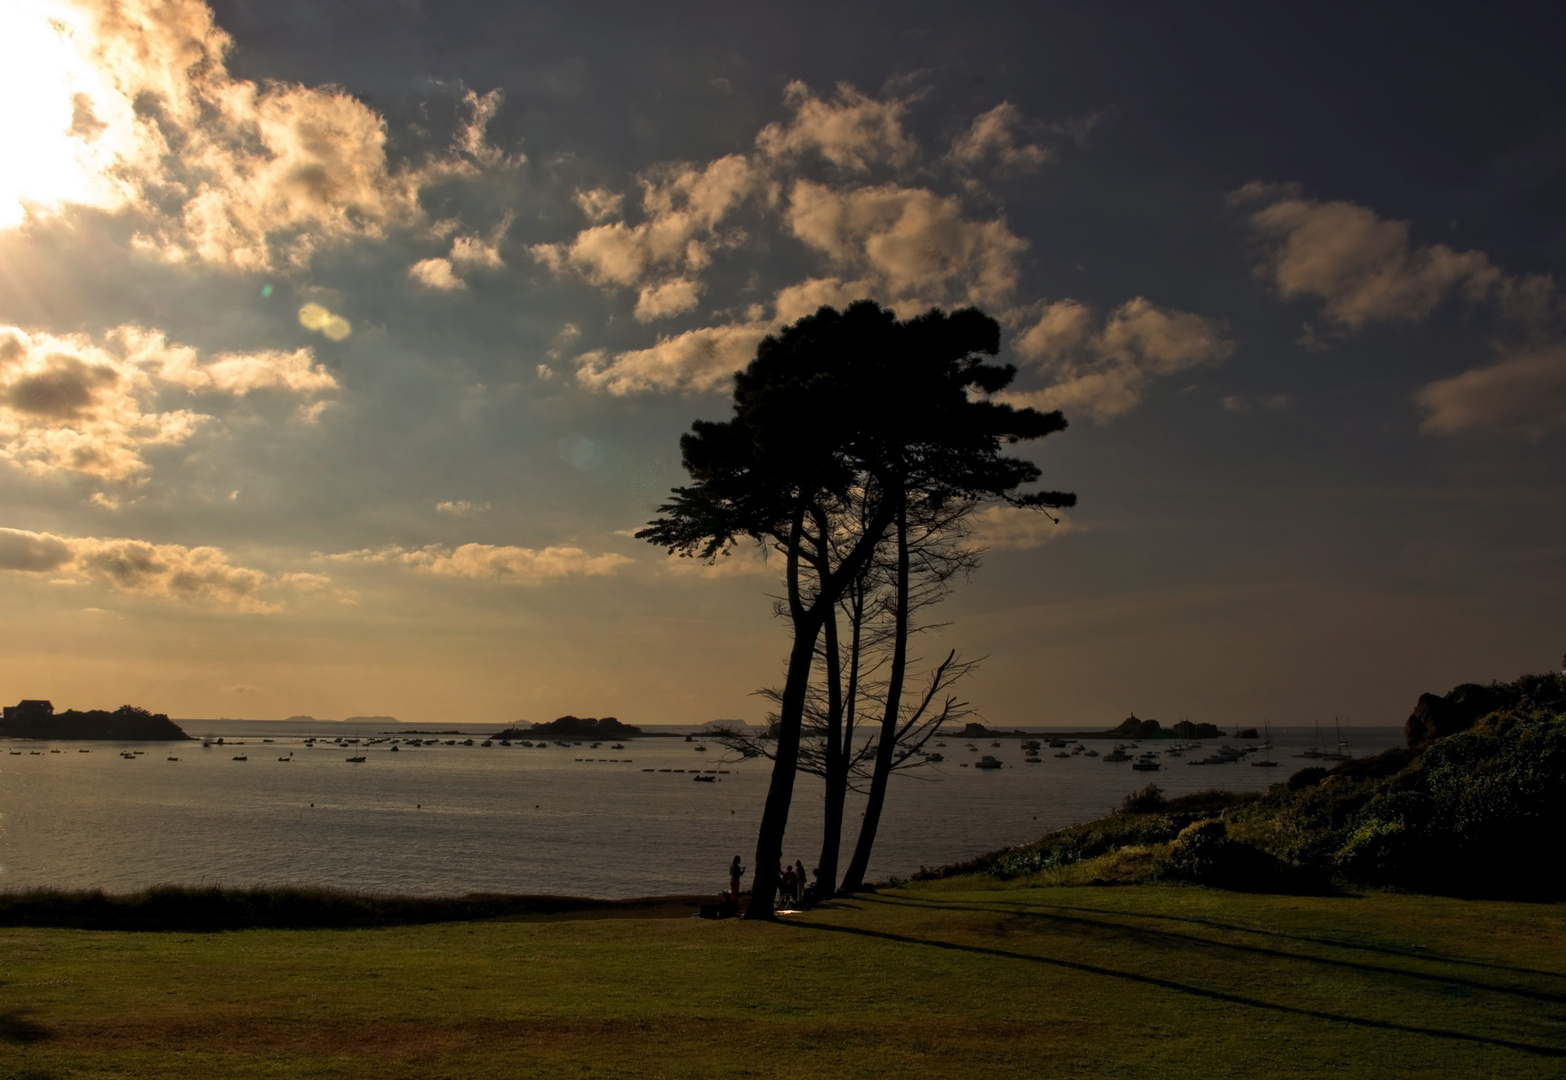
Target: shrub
point(1477, 815)
point(1307, 778)
point(1150, 800)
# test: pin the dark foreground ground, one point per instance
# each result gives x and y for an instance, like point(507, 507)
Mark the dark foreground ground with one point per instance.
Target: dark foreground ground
point(963, 977)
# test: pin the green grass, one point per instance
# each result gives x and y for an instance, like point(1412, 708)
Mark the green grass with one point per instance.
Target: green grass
point(962, 977)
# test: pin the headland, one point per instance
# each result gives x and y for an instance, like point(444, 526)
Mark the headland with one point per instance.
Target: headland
point(36, 719)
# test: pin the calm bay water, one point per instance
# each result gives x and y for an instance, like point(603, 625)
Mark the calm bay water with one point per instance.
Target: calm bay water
point(453, 819)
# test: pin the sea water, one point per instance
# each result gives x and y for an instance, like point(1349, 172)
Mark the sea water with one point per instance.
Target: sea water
point(575, 820)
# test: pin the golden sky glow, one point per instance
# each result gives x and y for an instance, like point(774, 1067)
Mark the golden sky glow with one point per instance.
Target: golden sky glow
point(341, 354)
point(62, 130)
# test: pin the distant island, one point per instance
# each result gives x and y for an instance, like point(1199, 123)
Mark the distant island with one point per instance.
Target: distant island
point(306, 719)
point(1132, 727)
point(36, 719)
point(574, 727)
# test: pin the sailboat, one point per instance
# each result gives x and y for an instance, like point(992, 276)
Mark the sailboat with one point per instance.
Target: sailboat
point(1266, 762)
point(1314, 751)
point(1342, 751)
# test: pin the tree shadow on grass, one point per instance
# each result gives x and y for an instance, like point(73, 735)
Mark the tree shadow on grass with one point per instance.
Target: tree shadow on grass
point(1195, 991)
point(1056, 915)
point(1336, 943)
point(16, 1028)
point(1215, 924)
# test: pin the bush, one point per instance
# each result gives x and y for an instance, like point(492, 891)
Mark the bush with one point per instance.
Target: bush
point(1307, 778)
point(1150, 800)
point(1478, 815)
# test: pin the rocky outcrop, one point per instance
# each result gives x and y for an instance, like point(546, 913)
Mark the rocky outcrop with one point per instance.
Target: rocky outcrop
point(1436, 717)
point(38, 720)
point(574, 727)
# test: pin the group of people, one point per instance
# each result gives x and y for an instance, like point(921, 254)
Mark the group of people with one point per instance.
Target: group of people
point(793, 889)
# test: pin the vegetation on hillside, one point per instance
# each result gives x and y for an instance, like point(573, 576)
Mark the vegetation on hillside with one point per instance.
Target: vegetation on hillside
point(1476, 812)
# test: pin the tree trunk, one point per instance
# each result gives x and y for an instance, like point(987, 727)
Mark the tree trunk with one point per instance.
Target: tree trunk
point(808, 622)
point(838, 768)
point(791, 716)
point(854, 879)
point(780, 792)
point(835, 760)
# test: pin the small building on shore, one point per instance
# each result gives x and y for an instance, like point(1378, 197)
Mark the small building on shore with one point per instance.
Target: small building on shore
point(29, 708)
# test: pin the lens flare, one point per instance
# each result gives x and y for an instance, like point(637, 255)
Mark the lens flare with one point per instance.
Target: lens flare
point(317, 318)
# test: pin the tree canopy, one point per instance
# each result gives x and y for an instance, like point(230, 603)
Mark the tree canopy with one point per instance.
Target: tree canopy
point(841, 422)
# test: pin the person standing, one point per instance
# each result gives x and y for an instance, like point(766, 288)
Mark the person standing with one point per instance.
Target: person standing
point(736, 871)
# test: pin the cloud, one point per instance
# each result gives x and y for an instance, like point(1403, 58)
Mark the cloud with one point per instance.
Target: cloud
point(1104, 368)
point(217, 170)
point(807, 297)
point(702, 359)
point(910, 241)
point(665, 298)
point(510, 565)
point(472, 140)
point(852, 131)
point(467, 252)
point(683, 205)
point(741, 560)
point(908, 247)
point(1237, 403)
point(479, 251)
point(992, 138)
point(461, 508)
point(293, 372)
point(898, 243)
point(70, 404)
point(600, 204)
point(997, 527)
point(436, 274)
point(32, 552)
point(200, 575)
point(1524, 393)
point(1366, 269)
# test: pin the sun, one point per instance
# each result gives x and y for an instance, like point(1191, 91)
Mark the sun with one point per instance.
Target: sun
point(62, 128)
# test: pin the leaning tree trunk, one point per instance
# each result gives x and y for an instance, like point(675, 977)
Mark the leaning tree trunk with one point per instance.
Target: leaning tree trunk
point(808, 622)
point(834, 761)
point(840, 752)
point(854, 879)
point(780, 792)
point(791, 715)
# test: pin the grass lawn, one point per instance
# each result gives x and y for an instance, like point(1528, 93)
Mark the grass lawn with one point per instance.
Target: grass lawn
point(964, 977)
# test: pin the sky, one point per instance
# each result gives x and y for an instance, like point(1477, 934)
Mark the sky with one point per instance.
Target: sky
point(343, 346)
